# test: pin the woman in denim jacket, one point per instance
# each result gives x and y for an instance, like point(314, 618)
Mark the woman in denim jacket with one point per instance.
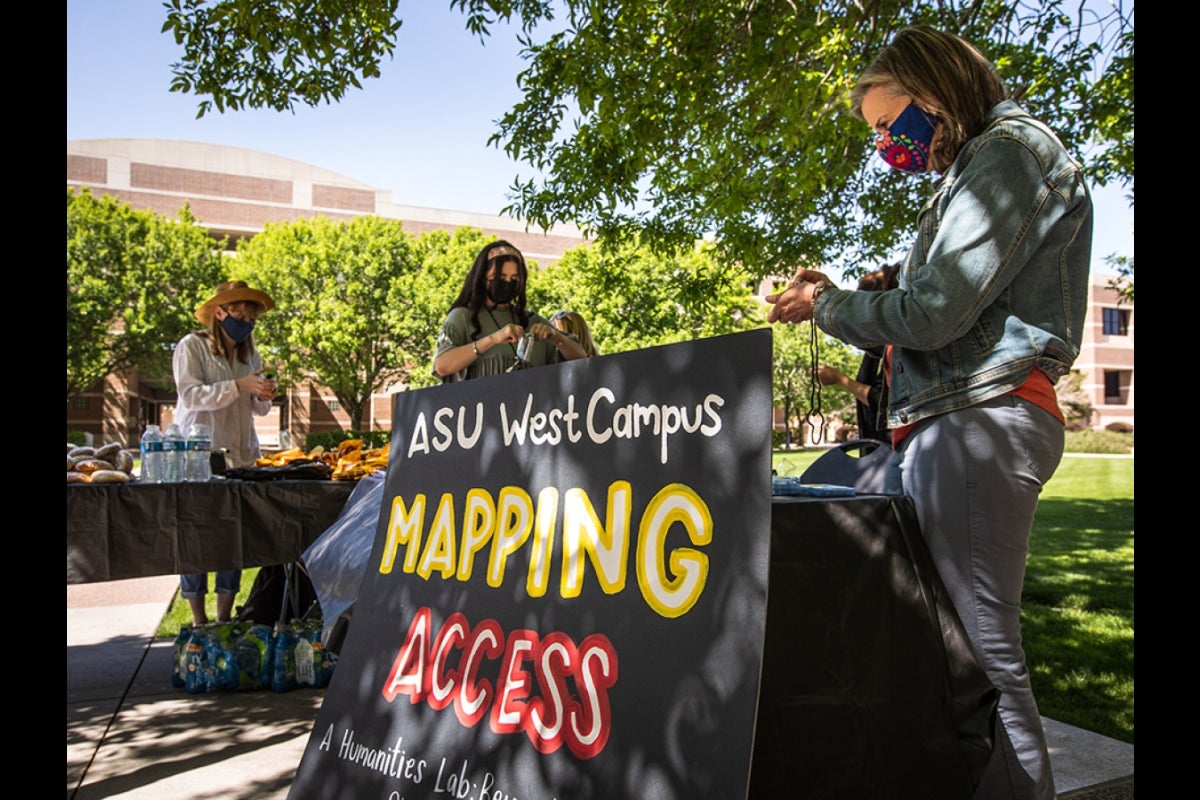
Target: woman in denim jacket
point(987, 317)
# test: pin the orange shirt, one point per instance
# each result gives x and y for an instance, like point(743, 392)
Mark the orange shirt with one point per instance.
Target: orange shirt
point(1037, 389)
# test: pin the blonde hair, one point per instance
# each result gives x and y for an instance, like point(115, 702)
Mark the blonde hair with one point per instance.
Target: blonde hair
point(939, 71)
point(571, 322)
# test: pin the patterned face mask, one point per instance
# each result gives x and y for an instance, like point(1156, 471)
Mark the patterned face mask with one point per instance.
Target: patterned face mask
point(905, 144)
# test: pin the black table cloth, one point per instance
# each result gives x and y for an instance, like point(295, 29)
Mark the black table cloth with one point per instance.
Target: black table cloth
point(134, 530)
point(870, 688)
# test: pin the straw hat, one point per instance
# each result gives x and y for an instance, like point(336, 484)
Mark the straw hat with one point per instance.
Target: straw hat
point(232, 292)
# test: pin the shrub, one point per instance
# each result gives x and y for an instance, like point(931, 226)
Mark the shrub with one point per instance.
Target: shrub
point(76, 437)
point(331, 439)
point(779, 440)
point(1113, 442)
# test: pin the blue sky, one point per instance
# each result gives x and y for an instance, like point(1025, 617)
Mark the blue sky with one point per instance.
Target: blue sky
point(420, 130)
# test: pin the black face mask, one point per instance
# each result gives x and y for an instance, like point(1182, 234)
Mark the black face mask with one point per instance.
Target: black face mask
point(501, 291)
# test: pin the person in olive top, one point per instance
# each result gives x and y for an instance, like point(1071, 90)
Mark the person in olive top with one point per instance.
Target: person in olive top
point(489, 331)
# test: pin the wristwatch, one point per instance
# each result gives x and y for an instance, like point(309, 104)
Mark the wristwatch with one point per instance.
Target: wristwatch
point(821, 287)
point(475, 347)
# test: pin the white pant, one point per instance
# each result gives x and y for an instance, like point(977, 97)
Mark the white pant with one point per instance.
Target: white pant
point(975, 476)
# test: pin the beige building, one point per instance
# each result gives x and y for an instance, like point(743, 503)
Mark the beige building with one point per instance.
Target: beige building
point(1106, 358)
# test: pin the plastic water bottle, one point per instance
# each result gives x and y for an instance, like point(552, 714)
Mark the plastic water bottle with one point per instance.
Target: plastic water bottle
point(173, 454)
point(152, 455)
point(178, 657)
point(198, 467)
point(283, 658)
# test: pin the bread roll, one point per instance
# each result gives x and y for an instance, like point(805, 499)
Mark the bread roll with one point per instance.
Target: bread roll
point(90, 465)
point(109, 476)
point(108, 451)
point(123, 461)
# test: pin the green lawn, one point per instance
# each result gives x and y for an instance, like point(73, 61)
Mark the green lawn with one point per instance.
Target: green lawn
point(179, 614)
point(1077, 611)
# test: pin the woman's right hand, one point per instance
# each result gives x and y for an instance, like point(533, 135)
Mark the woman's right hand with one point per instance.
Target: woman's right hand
point(257, 385)
point(828, 375)
point(512, 332)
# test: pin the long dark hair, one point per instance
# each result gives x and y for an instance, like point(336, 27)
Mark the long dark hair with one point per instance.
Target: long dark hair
point(881, 279)
point(474, 289)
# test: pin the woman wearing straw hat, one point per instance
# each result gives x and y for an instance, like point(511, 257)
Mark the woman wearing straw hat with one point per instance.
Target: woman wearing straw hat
point(219, 381)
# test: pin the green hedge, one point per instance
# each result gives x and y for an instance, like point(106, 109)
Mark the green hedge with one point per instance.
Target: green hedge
point(1113, 442)
point(331, 439)
point(76, 437)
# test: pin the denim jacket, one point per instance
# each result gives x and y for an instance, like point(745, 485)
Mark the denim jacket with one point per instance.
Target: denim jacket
point(996, 282)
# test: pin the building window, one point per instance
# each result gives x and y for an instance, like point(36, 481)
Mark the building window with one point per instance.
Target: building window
point(81, 403)
point(1116, 387)
point(334, 405)
point(1116, 321)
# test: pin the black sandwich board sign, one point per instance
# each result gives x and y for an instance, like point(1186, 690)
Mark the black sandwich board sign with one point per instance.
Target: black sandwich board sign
point(566, 595)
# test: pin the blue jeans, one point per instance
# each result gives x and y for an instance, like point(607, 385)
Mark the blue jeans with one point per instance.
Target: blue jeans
point(229, 581)
point(975, 476)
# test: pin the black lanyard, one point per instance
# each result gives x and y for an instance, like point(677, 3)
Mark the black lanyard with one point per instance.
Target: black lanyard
point(513, 347)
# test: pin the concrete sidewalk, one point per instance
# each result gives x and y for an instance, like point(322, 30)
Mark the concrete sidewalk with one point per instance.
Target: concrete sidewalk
point(130, 734)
